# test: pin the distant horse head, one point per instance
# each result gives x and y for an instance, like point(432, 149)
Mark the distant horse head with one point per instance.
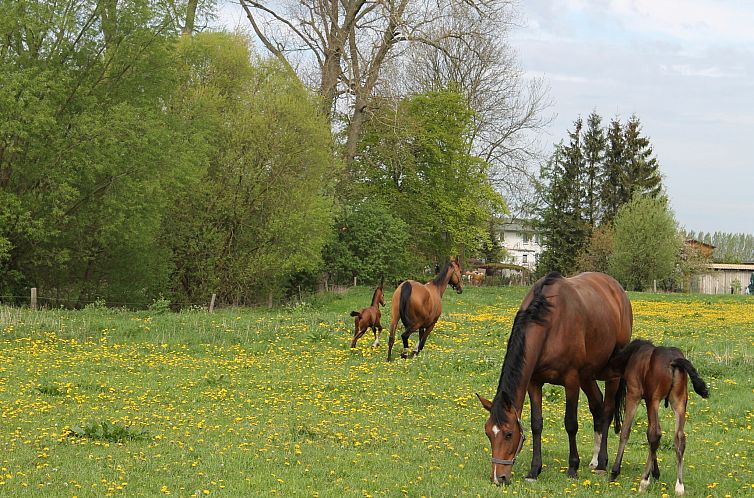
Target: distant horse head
point(506, 434)
point(454, 268)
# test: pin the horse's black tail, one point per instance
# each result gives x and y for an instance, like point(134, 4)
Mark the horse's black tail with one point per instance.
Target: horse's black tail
point(699, 385)
point(403, 307)
point(355, 313)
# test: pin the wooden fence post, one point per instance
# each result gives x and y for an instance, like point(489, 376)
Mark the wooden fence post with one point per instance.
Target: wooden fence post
point(212, 303)
point(34, 298)
point(354, 281)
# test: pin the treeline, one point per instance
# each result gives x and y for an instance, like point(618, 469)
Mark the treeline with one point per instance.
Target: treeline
point(604, 207)
point(729, 247)
point(139, 158)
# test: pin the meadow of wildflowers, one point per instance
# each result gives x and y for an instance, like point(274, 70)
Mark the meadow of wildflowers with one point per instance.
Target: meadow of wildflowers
point(262, 403)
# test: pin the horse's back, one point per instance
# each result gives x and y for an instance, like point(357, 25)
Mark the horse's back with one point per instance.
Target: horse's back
point(591, 317)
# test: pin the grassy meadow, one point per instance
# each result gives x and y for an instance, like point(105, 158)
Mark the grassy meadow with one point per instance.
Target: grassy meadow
point(243, 402)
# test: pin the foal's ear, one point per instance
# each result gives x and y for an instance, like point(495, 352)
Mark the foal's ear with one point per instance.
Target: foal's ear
point(487, 404)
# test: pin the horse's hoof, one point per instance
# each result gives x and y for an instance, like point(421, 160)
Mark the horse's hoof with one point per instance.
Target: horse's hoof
point(573, 474)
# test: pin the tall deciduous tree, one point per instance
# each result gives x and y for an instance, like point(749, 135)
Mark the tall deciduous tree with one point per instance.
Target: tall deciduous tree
point(647, 242)
point(262, 211)
point(87, 150)
point(415, 158)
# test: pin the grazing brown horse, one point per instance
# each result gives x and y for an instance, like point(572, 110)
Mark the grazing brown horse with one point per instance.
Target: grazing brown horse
point(654, 373)
point(420, 305)
point(564, 333)
point(369, 317)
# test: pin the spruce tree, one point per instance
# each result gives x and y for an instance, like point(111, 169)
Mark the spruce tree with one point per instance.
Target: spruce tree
point(593, 146)
point(564, 229)
point(642, 169)
point(612, 176)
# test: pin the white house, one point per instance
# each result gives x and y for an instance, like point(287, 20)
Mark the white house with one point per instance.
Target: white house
point(522, 241)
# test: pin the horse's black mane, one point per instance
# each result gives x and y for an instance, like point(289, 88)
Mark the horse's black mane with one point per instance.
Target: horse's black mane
point(441, 276)
point(513, 364)
point(375, 295)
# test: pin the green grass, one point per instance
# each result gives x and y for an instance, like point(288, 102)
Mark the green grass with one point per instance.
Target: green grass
point(274, 402)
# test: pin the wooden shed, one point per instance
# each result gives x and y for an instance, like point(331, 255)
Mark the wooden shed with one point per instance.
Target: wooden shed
point(723, 278)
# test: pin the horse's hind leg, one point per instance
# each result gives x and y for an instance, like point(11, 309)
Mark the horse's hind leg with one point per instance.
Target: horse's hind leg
point(423, 338)
point(679, 407)
point(535, 399)
point(594, 396)
point(404, 336)
point(632, 403)
point(654, 433)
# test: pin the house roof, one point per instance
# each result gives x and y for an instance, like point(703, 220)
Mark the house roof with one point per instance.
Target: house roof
point(694, 241)
point(731, 266)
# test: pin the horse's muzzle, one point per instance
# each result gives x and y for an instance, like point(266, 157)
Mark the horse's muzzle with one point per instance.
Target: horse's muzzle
point(459, 290)
point(501, 480)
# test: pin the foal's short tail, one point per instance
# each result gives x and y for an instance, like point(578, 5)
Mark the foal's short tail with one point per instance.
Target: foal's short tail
point(699, 386)
point(355, 313)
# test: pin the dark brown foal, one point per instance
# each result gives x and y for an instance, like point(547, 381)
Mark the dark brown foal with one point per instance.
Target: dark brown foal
point(369, 317)
point(654, 373)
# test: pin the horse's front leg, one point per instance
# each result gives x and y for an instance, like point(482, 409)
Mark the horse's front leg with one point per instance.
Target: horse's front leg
point(594, 396)
point(377, 329)
point(535, 399)
point(572, 426)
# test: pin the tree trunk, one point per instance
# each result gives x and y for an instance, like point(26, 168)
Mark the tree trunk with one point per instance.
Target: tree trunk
point(188, 28)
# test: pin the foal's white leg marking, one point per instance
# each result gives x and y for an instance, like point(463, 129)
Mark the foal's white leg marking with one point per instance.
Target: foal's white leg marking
point(679, 489)
point(376, 342)
point(643, 485)
point(596, 452)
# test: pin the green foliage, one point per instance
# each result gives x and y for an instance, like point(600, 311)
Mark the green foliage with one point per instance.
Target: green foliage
point(584, 185)
point(86, 149)
point(646, 242)
point(415, 158)
point(596, 255)
point(368, 243)
point(104, 431)
point(729, 247)
point(262, 209)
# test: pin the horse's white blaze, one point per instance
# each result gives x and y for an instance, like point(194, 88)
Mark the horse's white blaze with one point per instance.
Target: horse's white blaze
point(679, 489)
point(596, 452)
point(495, 430)
point(643, 485)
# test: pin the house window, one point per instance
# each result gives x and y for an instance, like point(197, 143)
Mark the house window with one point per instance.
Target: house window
point(524, 257)
point(526, 238)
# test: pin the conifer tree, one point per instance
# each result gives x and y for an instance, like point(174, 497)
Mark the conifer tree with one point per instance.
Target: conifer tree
point(612, 189)
point(642, 169)
point(593, 146)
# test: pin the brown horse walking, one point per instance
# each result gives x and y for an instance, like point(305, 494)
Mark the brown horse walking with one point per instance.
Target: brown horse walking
point(564, 333)
point(654, 373)
point(419, 306)
point(369, 317)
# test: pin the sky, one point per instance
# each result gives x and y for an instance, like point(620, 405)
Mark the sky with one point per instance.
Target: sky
point(684, 67)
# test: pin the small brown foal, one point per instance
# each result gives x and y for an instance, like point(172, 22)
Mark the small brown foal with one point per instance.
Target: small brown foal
point(654, 373)
point(369, 317)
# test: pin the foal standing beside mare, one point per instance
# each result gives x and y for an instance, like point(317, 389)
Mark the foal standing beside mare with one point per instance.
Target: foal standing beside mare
point(419, 306)
point(369, 317)
point(564, 333)
point(654, 373)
